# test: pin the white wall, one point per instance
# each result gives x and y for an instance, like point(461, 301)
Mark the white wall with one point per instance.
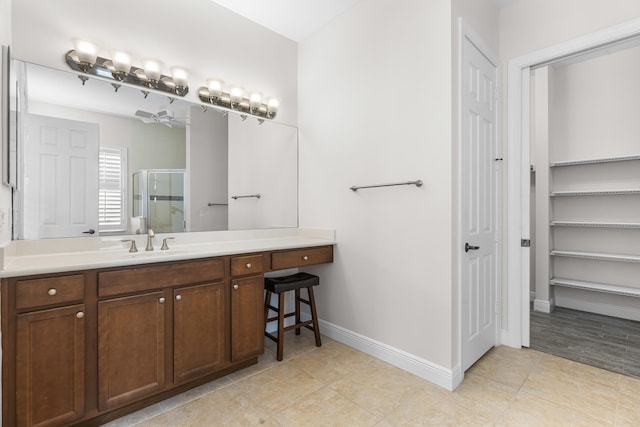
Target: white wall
point(199, 34)
point(263, 160)
point(207, 166)
point(375, 107)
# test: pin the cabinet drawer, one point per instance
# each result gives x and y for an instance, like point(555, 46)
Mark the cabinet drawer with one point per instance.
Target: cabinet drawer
point(301, 257)
point(52, 290)
point(243, 265)
point(138, 279)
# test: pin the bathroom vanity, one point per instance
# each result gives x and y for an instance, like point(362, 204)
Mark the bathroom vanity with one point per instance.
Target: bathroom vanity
point(90, 339)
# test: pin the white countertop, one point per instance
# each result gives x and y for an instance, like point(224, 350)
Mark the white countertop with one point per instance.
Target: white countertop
point(23, 257)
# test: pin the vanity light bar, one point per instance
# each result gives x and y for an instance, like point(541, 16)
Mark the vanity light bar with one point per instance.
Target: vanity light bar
point(104, 67)
point(235, 99)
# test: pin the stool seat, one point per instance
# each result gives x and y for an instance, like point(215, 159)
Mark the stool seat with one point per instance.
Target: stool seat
point(289, 283)
point(280, 286)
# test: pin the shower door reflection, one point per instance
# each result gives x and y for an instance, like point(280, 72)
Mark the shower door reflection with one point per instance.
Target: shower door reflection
point(159, 199)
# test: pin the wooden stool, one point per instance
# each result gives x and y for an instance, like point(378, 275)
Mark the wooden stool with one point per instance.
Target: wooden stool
point(280, 286)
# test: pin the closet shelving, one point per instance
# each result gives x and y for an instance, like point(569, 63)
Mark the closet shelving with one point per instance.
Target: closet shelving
point(599, 256)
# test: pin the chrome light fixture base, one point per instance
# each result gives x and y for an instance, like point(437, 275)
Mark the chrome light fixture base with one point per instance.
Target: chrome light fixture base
point(244, 106)
point(103, 67)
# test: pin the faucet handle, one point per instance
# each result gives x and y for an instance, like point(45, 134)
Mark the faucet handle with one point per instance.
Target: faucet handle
point(133, 247)
point(164, 243)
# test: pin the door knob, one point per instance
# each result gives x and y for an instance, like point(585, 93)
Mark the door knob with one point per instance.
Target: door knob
point(89, 231)
point(468, 247)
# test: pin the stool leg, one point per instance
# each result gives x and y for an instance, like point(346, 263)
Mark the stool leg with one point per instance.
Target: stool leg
point(314, 316)
point(267, 302)
point(281, 310)
point(297, 291)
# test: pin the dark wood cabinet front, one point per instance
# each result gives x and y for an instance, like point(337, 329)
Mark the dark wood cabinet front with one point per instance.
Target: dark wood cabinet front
point(247, 317)
point(88, 346)
point(50, 366)
point(131, 348)
point(199, 330)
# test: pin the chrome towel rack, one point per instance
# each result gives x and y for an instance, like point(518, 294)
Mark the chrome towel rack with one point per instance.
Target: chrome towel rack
point(217, 204)
point(417, 183)
point(257, 196)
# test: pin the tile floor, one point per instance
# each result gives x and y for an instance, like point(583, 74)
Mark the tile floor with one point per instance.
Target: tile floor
point(335, 385)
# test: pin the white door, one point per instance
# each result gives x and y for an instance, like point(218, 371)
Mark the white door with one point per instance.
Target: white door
point(61, 177)
point(480, 173)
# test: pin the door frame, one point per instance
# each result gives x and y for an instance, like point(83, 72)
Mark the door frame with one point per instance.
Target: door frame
point(466, 31)
point(518, 164)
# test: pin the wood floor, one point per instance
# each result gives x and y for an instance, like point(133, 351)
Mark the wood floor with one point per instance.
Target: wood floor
point(605, 342)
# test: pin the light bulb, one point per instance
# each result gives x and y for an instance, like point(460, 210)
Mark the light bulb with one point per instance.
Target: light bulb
point(215, 87)
point(272, 105)
point(179, 76)
point(236, 94)
point(86, 50)
point(152, 69)
point(255, 99)
point(121, 61)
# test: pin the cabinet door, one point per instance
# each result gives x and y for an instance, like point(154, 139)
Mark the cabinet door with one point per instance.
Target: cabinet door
point(131, 345)
point(50, 357)
point(199, 330)
point(247, 318)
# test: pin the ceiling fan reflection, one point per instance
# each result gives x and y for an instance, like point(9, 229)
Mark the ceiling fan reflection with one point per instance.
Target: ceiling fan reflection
point(163, 117)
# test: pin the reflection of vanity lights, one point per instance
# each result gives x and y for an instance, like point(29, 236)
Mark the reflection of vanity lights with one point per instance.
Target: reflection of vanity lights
point(84, 58)
point(235, 98)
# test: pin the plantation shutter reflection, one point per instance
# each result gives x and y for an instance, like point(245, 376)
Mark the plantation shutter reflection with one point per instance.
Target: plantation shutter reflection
point(111, 197)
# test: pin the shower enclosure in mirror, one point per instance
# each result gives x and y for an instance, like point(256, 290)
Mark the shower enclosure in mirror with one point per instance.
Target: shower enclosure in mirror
point(221, 156)
point(159, 200)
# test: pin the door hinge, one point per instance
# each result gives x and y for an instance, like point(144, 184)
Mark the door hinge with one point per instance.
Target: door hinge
point(525, 243)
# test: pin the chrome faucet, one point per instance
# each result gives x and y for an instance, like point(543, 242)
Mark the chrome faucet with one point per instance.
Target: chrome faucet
point(150, 235)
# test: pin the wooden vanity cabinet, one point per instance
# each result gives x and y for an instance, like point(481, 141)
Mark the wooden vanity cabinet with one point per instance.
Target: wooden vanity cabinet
point(85, 347)
point(199, 330)
point(247, 312)
point(50, 366)
point(131, 348)
point(151, 341)
point(44, 350)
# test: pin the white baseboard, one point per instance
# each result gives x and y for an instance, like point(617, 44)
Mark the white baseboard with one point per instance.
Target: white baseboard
point(446, 378)
point(543, 306)
point(532, 296)
point(598, 308)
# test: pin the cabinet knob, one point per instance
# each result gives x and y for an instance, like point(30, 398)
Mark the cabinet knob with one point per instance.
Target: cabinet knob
point(178, 297)
point(52, 291)
point(305, 258)
point(161, 300)
point(248, 265)
point(235, 286)
point(80, 314)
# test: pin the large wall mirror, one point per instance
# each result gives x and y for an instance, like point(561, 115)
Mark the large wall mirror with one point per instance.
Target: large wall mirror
point(95, 158)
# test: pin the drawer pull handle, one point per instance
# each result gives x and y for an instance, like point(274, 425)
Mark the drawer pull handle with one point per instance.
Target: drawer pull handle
point(80, 315)
point(248, 265)
point(161, 300)
point(52, 291)
point(235, 286)
point(305, 258)
point(178, 297)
